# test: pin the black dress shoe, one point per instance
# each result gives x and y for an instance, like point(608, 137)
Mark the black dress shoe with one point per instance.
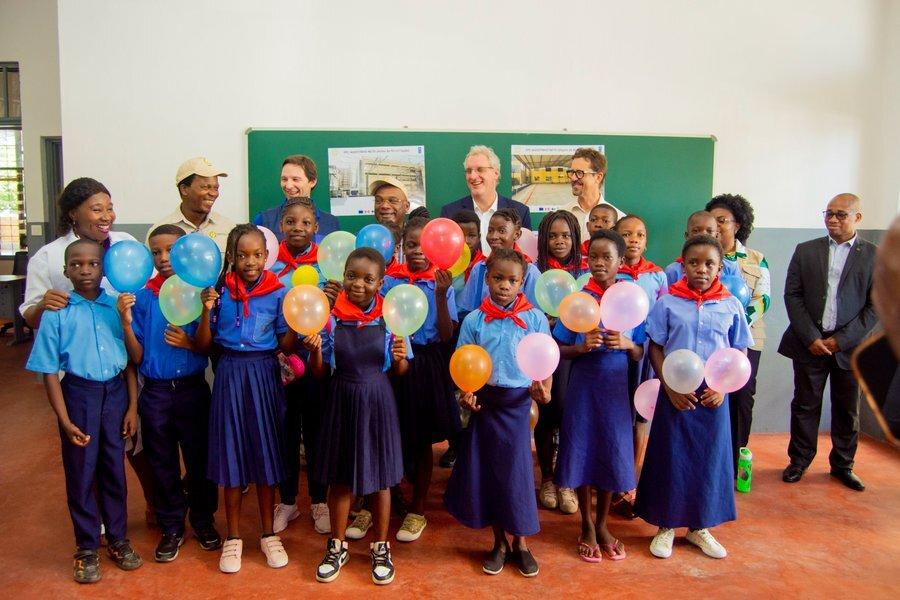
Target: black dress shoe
point(167, 549)
point(848, 478)
point(793, 473)
point(208, 537)
point(525, 560)
point(494, 561)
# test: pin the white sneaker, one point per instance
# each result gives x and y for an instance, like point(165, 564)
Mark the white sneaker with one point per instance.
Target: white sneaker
point(230, 561)
point(704, 540)
point(284, 514)
point(412, 528)
point(271, 546)
point(661, 546)
point(321, 517)
point(360, 525)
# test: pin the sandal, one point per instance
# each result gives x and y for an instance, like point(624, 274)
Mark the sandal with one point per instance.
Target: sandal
point(592, 555)
point(614, 551)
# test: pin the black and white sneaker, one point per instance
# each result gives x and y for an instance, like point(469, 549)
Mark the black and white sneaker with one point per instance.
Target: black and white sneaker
point(167, 549)
point(524, 559)
point(496, 559)
point(336, 556)
point(382, 566)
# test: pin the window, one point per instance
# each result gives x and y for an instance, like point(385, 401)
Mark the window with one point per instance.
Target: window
point(12, 189)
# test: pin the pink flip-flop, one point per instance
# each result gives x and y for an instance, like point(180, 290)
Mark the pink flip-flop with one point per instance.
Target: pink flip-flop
point(614, 551)
point(594, 556)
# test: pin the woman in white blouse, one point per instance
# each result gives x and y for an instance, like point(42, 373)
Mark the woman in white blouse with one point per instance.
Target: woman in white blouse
point(85, 211)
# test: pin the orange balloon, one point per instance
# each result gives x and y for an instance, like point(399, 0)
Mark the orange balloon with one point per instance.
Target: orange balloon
point(534, 414)
point(306, 309)
point(579, 312)
point(470, 367)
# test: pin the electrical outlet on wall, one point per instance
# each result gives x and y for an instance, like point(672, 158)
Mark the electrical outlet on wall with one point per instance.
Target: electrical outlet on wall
point(37, 229)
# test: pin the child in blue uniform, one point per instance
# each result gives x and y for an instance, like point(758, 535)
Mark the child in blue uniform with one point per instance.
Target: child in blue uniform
point(304, 396)
point(700, 222)
point(595, 441)
point(559, 247)
point(687, 479)
point(426, 403)
point(95, 405)
point(470, 224)
point(492, 483)
point(173, 406)
point(246, 421)
point(504, 229)
point(360, 451)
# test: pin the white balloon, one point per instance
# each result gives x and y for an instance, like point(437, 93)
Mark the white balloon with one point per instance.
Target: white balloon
point(683, 371)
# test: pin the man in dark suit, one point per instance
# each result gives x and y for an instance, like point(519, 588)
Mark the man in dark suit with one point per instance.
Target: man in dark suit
point(828, 299)
point(482, 174)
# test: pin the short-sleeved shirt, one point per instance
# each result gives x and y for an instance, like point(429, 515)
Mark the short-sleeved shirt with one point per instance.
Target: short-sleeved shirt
point(675, 271)
point(678, 323)
point(160, 360)
point(85, 339)
point(654, 283)
point(286, 278)
point(215, 226)
point(255, 332)
point(477, 290)
point(428, 333)
point(499, 338)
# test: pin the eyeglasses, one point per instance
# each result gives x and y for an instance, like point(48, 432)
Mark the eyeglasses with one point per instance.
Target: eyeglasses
point(839, 215)
point(479, 170)
point(578, 173)
point(724, 220)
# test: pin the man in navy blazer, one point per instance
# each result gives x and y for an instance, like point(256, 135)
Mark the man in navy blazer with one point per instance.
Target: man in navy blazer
point(482, 174)
point(828, 296)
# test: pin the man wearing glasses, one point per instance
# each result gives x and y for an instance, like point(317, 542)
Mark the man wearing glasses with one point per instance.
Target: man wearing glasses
point(828, 299)
point(482, 174)
point(586, 175)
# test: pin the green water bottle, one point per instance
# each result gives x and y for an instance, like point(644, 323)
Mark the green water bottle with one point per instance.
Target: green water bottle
point(745, 470)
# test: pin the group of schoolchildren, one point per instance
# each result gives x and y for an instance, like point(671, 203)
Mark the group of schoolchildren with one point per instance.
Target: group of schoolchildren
point(370, 405)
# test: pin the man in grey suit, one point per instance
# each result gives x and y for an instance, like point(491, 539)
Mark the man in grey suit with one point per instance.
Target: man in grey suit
point(829, 304)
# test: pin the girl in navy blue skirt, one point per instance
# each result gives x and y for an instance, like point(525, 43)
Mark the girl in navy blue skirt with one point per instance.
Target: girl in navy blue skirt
point(426, 402)
point(492, 483)
point(246, 420)
point(688, 477)
point(359, 450)
point(595, 449)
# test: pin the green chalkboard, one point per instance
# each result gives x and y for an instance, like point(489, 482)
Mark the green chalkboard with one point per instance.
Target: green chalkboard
point(661, 178)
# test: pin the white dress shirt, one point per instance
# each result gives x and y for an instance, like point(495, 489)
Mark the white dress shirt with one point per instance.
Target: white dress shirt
point(837, 258)
point(485, 217)
point(582, 215)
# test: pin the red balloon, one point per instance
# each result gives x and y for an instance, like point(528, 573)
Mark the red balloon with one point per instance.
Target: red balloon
point(442, 242)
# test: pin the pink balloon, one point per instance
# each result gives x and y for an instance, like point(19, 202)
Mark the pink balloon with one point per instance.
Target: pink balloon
point(727, 370)
point(624, 306)
point(537, 355)
point(528, 242)
point(271, 246)
point(645, 398)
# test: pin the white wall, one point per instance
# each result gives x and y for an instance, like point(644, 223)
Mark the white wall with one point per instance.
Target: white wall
point(795, 92)
point(28, 36)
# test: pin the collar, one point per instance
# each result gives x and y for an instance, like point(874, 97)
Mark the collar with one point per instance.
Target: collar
point(102, 298)
point(491, 208)
point(636, 270)
point(178, 218)
point(739, 251)
point(574, 206)
point(849, 243)
point(716, 291)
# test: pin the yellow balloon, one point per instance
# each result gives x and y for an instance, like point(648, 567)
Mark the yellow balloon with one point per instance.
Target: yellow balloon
point(462, 262)
point(305, 275)
point(306, 309)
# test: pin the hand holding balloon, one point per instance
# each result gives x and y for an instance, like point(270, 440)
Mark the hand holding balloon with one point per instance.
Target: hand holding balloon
point(312, 343)
point(540, 391)
point(443, 279)
point(208, 297)
point(470, 402)
point(123, 304)
point(398, 349)
point(614, 340)
point(332, 289)
point(681, 401)
point(711, 398)
point(592, 340)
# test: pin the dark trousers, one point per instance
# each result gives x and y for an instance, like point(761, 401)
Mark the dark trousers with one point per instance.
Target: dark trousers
point(740, 408)
point(175, 413)
point(97, 408)
point(305, 409)
point(806, 409)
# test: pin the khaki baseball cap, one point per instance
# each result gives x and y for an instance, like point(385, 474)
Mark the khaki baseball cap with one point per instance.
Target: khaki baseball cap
point(383, 181)
point(197, 166)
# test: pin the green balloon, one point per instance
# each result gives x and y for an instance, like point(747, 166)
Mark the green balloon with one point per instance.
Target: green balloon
point(333, 253)
point(405, 309)
point(179, 302)
point(552, 286)
point(583, 281)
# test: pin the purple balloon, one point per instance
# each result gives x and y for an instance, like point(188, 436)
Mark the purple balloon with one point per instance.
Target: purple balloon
point(537, 355)
point(645, 398)
point(727, 370)
point(271, 246)
point(624, 306)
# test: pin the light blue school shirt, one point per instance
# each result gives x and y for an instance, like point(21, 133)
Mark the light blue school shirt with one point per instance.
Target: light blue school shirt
point(678, 323)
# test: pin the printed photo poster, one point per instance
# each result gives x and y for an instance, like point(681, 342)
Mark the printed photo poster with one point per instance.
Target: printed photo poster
point(539, 177)
point(350, 170)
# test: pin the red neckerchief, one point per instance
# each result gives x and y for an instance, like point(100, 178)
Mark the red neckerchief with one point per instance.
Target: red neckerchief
point(492, 311)
point(716, 291)
point(344, 310)
point(552, 263)
point(642, 266)
point(679, 259)
point(267, 284)
point(518, 249)
point(594, 288)
point(291, 262)
point(586, 247)
point(479, 257)
point(155, 283)
point(402, 271)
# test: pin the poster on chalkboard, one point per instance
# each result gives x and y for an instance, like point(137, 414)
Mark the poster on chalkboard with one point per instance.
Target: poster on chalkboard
point(539, 177)
point(351, 170)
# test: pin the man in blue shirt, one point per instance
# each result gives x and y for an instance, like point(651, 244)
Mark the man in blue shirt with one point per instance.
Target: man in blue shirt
point(298, 178)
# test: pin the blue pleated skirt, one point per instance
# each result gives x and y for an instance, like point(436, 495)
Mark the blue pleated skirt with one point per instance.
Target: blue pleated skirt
point(246, 421)
point(595, 440)
point(492, 483)
point(687, 479)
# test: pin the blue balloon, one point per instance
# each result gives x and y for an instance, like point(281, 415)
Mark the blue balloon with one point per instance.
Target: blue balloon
point(738, 288)
point(378, 237)
point(196, 259)
point(128, 265)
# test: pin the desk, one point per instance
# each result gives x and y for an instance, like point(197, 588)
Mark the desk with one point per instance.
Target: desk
point(12, 290)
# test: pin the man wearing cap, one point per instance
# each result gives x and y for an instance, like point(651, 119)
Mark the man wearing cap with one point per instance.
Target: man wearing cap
point(391, 200)
point(197, 181)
